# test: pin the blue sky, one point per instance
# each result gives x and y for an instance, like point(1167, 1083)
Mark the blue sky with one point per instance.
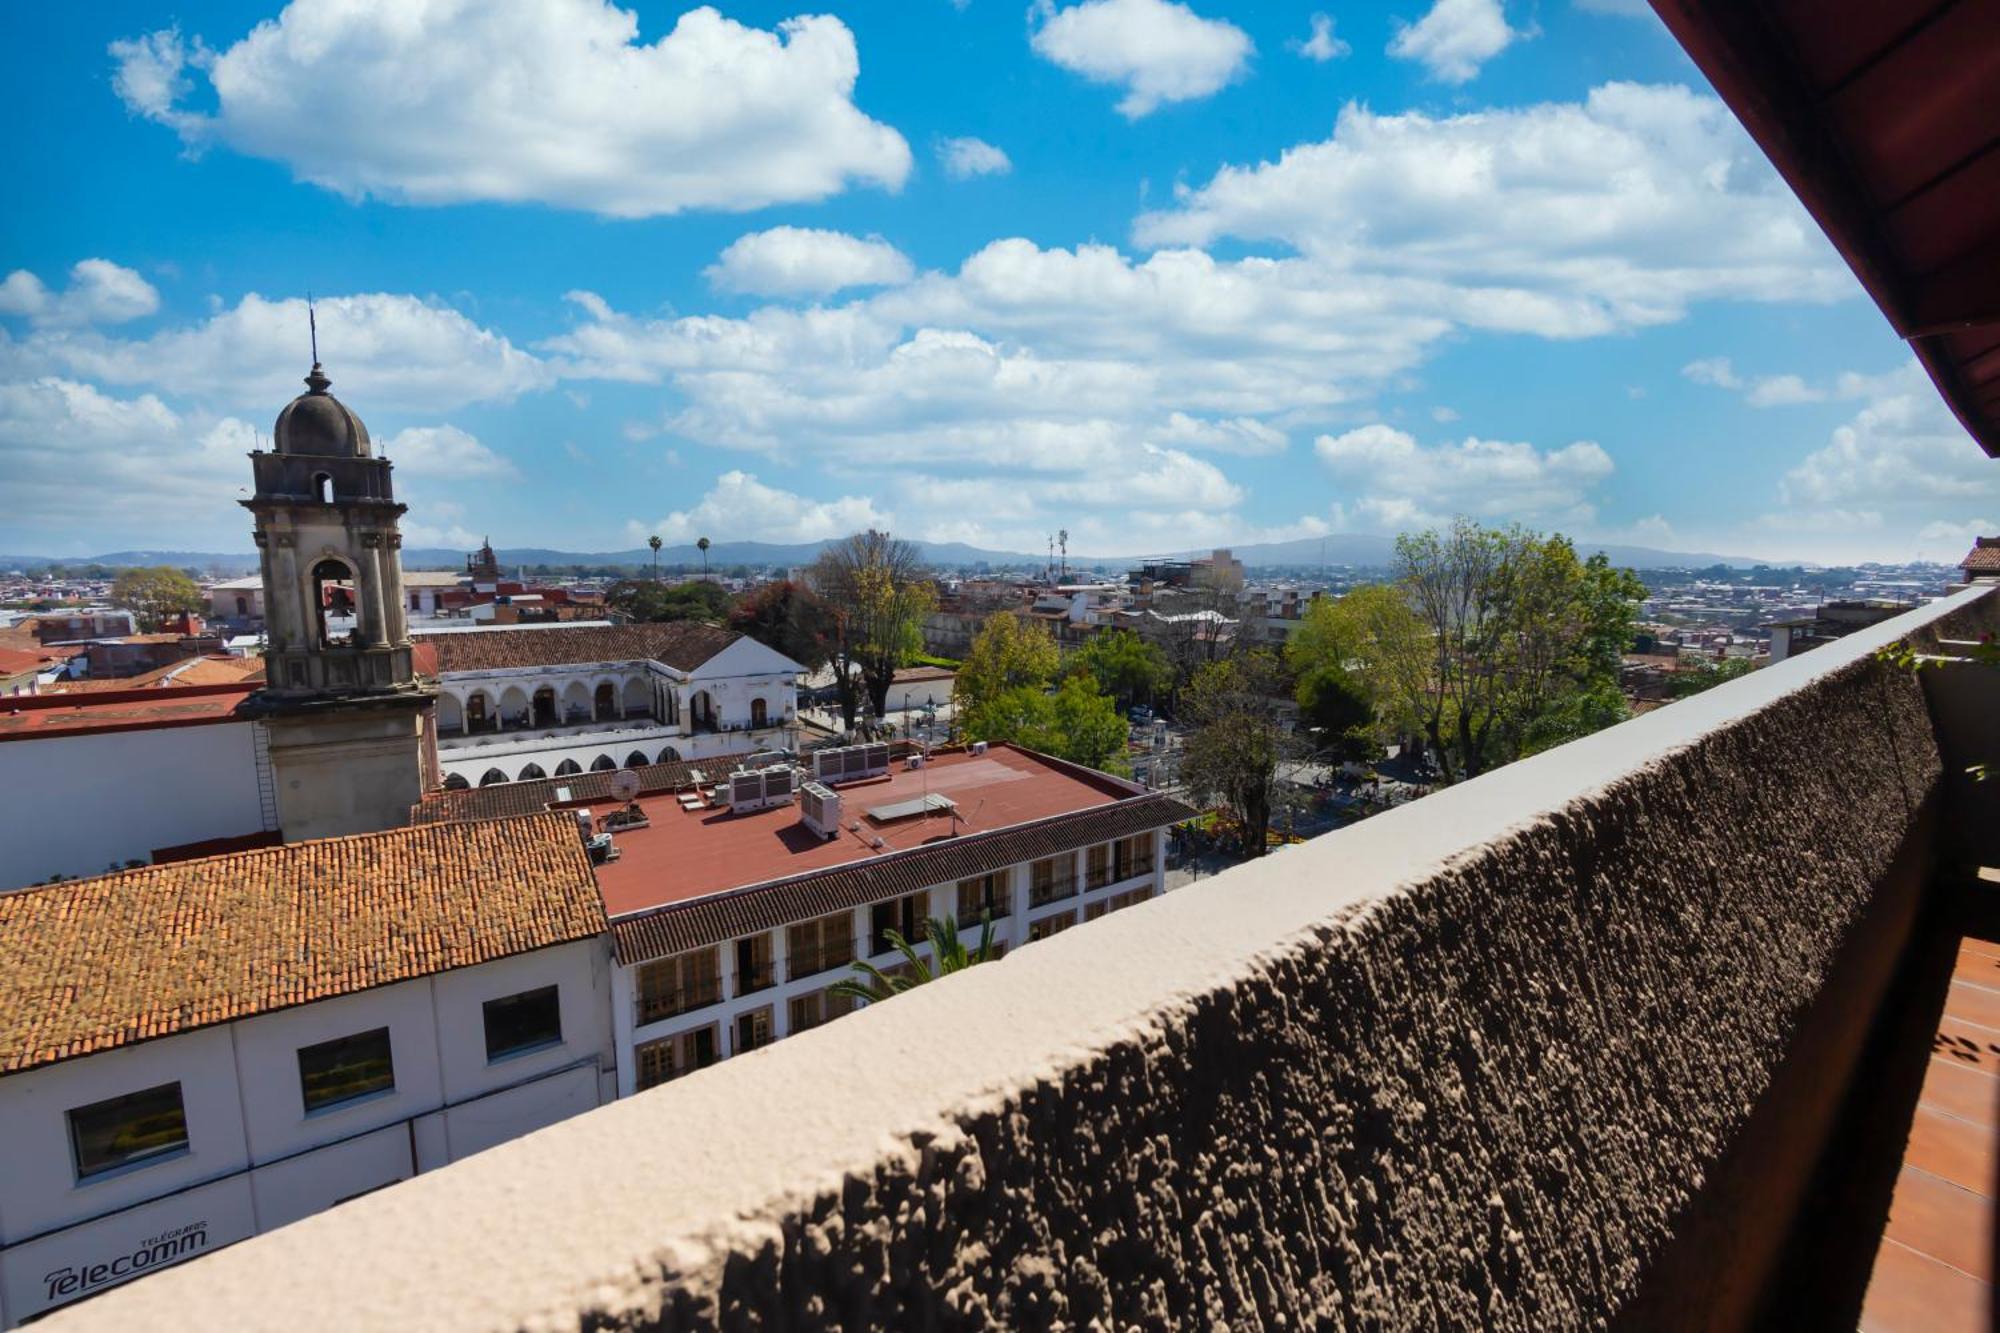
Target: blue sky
point(1164, 275)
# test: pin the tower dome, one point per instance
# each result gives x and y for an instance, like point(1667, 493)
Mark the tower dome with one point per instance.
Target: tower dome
point(317, 423)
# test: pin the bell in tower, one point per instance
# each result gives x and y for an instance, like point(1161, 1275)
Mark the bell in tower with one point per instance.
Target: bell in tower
point(344, 710)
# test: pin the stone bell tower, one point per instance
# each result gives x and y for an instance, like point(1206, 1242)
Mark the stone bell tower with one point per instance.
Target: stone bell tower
point(346, 716)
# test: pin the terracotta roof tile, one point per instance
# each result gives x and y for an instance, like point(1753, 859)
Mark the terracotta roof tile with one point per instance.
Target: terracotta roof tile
point(1983, 558)
point(507, 799)
point(91, 965)
point(724, 916)
point(682, 644)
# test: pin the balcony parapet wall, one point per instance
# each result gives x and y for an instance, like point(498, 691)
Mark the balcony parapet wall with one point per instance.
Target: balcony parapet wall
point(1484, 1059)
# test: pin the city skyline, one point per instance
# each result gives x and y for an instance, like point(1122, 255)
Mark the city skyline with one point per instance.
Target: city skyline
point(936, 268)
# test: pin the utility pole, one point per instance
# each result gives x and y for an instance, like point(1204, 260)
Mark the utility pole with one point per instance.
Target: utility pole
point(1062, 536)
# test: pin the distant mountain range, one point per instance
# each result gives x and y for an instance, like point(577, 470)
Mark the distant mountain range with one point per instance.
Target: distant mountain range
point(1338, 549)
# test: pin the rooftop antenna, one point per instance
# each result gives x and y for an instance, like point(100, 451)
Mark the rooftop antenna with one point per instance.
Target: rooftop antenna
point(1062, 538)
point(312, 324)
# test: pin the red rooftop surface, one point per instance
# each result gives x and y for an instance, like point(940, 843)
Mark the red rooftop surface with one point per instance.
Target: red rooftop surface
point(689, 854)
point(24, 717)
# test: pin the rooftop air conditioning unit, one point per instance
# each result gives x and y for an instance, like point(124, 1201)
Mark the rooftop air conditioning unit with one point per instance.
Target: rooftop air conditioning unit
point(979, 747)
point(914, 761)
point(819, 809)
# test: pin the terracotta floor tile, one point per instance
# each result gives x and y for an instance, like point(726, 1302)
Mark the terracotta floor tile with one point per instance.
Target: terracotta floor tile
point(1935, 1217)
point(1951, 1149)
point(1975, 945)
point(1968, 1093)
point(1967, 1044)
point(1973, 1003)
point(1913, 1293)
point(1981, 969)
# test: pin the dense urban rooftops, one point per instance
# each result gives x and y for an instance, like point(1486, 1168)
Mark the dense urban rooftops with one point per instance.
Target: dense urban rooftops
point(90, 965)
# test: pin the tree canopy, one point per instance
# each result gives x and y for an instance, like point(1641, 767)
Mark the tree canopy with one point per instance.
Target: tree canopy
point(155, 596)
point(787, 617)
point(877, 590)
point(1003, 695)
point(1010, 652)
point(1236, 737)
point(649, 601)
point(1124, 666)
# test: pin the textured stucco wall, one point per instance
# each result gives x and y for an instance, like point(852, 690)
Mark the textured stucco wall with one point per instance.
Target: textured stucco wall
point(1473, 1061)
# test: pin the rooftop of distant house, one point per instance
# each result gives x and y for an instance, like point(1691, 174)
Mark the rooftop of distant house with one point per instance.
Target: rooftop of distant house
point(687, 854)
point(26, 717)
point(1983, 558)
point(91, 965)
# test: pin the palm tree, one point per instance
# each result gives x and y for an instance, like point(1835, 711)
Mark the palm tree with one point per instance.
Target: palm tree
point(948, 949)
point(654, 542)
point(702, 546)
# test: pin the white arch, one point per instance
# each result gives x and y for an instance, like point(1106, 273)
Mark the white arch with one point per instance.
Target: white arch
point(637, 694)
point(492, 777)
point(457, 782)
point(568, 768)
point(450, 712)
point(670, 755)
point(531, 772)
point(637, 759)
point(604, 763)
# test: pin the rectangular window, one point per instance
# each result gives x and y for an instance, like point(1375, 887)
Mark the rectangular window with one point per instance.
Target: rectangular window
point(669, 1058)
point(904, 915)
point(809, 1011)
point(346, 1068)
point(1092, 911)
point(1050, 925)
point(517, 1024)
point(987, 894)
point(754, 971)
point(1130, 898)
point(1132, 857)
point(1051, 880)
point(1097, 872)
point(676, 985)
point(753, 1030)
point(137, 1127)
point(819, 945)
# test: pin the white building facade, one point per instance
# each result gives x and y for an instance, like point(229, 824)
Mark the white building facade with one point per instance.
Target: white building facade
point(683, 693)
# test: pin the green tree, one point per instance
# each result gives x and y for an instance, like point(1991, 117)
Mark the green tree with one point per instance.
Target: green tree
point(156, 595)
point(949, 954)
point(654, 542)
point(1235, 739)
point(1124, 665)
point(1010, 652)
point(1077, 722)
point(876, 588)
point(1334, 705)
point(649, 602)
point(1373, 639)
point(785, 616)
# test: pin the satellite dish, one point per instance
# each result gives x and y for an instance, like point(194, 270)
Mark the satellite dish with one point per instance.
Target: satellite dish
point(625, 784)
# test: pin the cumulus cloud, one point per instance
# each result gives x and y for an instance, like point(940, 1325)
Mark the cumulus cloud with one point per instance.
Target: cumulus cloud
point(1158, 51)
point(383, 351)
point(555, 103)
point(444, 452)
point(99, 292)
point(741, 508)
point(1455, 38)
point(1563, 219)
point(968, 157)
point(803, 261)
point(1763, 390)
point(1320, 45)
point(73, 457)
point(1397, 482)
point(435, 522)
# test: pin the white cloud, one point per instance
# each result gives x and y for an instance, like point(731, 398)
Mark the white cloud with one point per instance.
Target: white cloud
point(1157, 50)
point(1321, 45)
point(74, 458)
point(556, 103)
point(1899, 480)
point(1564, 219)
point(99, 292)
point(1397, 482)
point(445, 452)
point(968, 157)
point(1632, 9)
point(440, 523)
point(1444, 415)
point(1764, 390)
point(1455, 38)
point(803, 261)
point(383, 351)
point(741, 508)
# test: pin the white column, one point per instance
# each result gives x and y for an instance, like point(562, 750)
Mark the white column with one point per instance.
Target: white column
point(621, 1030)
point(1017, 890)
point(781, 1008)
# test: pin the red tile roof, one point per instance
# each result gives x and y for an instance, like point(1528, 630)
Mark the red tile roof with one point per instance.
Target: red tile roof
point(24, 717)
point(682, 644)
point(1983, 558)
point(91, 965)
